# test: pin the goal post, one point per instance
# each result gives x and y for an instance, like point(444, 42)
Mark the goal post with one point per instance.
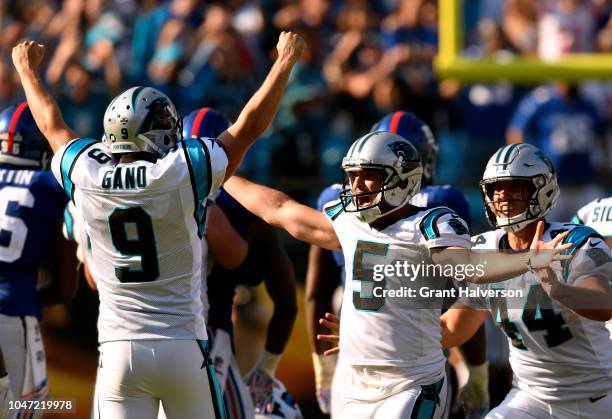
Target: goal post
point(449, 64)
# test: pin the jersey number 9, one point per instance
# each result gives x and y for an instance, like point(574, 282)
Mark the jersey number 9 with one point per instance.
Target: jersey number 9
point(142, 245)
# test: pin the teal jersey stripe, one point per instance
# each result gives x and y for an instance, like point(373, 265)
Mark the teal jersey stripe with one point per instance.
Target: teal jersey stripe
point(215, 389)
point(428, 223)
point(578, 237)
point(576, 219)
point(216, 393)
point(203, 345)
point(334, 211)
point(69, 158)
point(427, 401)
point(426, 409)
point(198, 162)
point(69, 223)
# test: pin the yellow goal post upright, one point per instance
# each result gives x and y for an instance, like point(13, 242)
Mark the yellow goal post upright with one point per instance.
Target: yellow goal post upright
point(449, 64)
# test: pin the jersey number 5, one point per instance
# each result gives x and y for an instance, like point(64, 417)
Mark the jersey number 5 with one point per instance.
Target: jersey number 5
point(124, 222)
point(13, 230)
point(365, 299)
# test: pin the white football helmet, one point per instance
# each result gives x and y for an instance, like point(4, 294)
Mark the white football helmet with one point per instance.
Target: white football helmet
point(284, 406)
point(401, 164)
point(141, 119)
point(520, 162)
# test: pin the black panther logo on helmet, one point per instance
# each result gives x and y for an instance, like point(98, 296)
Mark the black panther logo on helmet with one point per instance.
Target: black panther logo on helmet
point(406, 152)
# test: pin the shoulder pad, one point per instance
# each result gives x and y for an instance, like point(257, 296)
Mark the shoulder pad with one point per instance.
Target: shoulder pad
point(428, 224)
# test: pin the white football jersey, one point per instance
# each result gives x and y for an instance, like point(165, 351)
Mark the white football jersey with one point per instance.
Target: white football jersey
point(145, 222)
point(555, 354)
point(597, 214)
point(393, 330)
point(76, 229)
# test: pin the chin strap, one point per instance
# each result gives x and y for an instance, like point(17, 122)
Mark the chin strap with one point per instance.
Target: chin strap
point(151, 144)
point(407, 199)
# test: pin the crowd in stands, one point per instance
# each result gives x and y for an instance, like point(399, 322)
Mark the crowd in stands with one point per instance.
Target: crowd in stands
point(365, 58)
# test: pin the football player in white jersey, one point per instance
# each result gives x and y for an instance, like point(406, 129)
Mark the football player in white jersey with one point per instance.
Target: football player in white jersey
point(559, 347)
point(324, 266)
point(143, 197)
point(221, 242)
point(392, 359)
point(598, 215)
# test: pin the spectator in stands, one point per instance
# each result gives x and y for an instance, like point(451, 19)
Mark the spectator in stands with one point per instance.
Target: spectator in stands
point(570, 132)
point(519, 26)
point(313, 16)
point(9, 94)
point(82, 100)
point(565, 26)
point(486, 108)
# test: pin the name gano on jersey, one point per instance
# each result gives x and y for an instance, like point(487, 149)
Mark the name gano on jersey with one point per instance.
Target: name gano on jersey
point(125, 178)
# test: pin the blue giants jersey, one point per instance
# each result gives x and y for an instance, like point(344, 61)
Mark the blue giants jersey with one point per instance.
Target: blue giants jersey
point(329, 194)
point(431, 196)
point(31, 205)
point(567, 131)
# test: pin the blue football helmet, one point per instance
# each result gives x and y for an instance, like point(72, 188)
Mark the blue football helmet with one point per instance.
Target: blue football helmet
point(412, 128)
point(21, 142)
point(204, 122)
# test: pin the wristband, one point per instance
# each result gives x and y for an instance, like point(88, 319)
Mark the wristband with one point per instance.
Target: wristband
point(324, 366)
point(479, 374)
point(268, 362)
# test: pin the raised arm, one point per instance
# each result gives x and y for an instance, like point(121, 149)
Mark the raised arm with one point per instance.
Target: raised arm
point(261, 108)
point(277, 209)
point(27, 57)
